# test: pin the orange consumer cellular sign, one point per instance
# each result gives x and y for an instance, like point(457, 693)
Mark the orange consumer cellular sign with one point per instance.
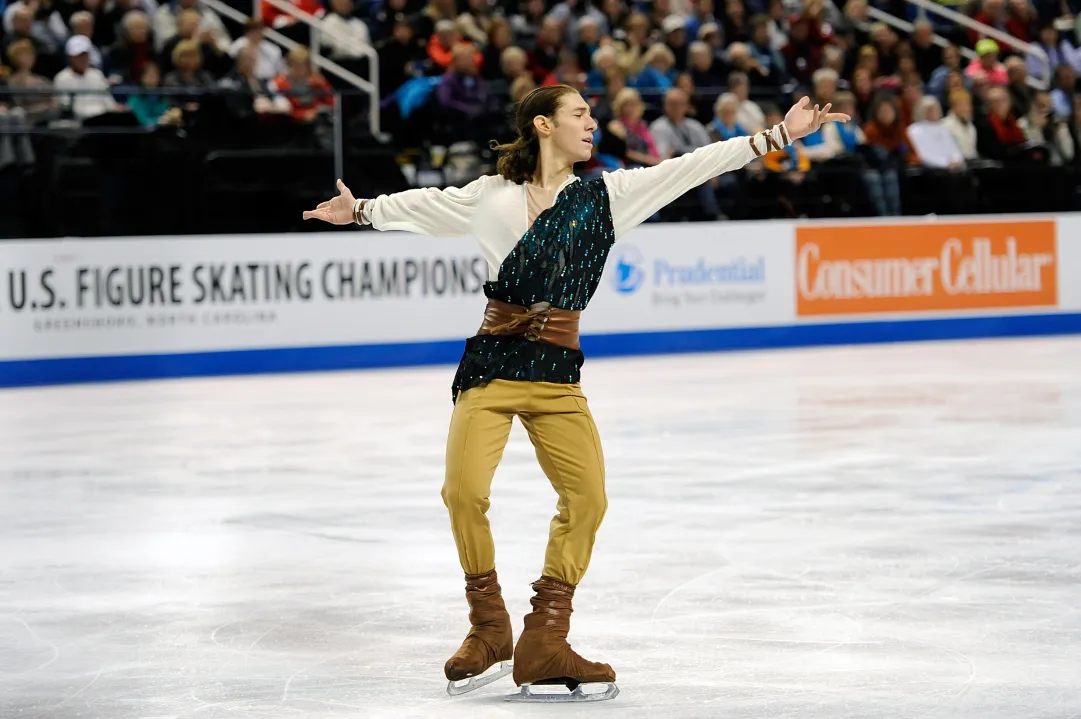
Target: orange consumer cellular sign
point(934, 266)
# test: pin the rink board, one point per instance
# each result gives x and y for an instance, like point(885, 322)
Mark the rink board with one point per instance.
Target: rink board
point(82, 310)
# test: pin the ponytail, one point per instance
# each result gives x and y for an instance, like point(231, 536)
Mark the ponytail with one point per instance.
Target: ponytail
point(518, 160)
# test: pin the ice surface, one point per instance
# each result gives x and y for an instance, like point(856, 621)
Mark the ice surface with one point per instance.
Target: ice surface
point(890, 531)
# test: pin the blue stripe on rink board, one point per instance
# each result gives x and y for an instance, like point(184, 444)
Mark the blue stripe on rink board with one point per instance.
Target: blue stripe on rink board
point(22, 373)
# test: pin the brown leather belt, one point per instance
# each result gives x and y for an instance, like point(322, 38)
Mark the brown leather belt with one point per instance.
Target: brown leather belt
point(539, 322)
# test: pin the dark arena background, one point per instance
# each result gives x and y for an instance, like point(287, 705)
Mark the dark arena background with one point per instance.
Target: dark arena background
point(838, 389)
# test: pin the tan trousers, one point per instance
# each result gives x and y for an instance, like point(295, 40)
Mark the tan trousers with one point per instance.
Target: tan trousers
point(568, 447)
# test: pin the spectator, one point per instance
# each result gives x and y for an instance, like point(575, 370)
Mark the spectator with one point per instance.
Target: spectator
point(570, 14)
point(1002, 136)
point(1044, 130)
point(1063, 91)
point(399, 57)
point(308, 92)
point(343, 35)
point(704, 70)
point(740, 59)
point(702, 15)
point(82, 23)
point(462, 95)
point(750, 115)
point(514, 63)
point(38, 19)
point(675, 32)
point(911, 94)
point(884, 40)
point(212, 59)
point(833, 58)
point(251, 95)
point(545, 55)
point(23, 27)
point(614, 83)
point(836, 139)
point(104, 32)
point(78, 75)
point(151, 109)
point(931, 139)
point(710, 34)
point(762, 53)
point(864, 91)
point(825, 86)
point(1021, 93)
point(589, 41)
point(981, 85)
point(567, 72)
point(658, 72)
point(604, 61)
point(951, 62)
point(959, 123)
point(168, 15)
point(187, 74)
point(527, 23)
point(735, 26)
point(615, 16)
point(1058, 53)
point(676, 134)
point(926, 54)
point(499, 39)
point(38, 108)
point(475, 24)
point(779, 26)
point(802, 54)
point(127, 58)
point(889, 151)
point(635, 42)
point(987, 62)
point(725, 126)
point(441, 45)
point(268, 56)
point(628, 124)
point(995, 14)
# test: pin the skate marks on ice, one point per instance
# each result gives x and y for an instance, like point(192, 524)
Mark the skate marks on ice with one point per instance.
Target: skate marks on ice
point(838, 533)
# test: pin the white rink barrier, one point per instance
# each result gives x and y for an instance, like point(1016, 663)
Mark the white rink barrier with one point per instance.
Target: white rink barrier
point(79, 310)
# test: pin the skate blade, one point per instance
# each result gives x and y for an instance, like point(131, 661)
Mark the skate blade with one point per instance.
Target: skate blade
point(477, 682)
point(561, 695)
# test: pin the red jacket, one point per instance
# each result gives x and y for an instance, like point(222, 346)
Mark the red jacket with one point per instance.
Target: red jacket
point(305, 108)
point(270, 13)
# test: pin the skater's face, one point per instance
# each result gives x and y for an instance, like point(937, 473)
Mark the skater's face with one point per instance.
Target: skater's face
point(570, 130)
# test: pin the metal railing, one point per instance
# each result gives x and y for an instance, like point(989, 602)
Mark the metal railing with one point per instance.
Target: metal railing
point(371, 87)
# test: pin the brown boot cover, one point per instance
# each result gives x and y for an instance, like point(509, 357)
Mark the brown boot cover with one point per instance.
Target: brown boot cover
point(489, 640)
point(542, 655)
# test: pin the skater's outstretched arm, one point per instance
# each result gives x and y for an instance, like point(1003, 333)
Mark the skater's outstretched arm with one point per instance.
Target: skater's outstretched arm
point(636, 194)
point(425, 211)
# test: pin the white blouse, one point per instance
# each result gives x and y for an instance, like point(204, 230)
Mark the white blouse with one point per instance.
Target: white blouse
point(495, 210)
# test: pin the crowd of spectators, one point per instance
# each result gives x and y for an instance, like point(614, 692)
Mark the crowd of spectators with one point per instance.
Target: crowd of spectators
point(664, 77)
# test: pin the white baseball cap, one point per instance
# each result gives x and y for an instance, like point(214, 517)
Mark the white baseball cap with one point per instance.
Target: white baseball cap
point(78, 45)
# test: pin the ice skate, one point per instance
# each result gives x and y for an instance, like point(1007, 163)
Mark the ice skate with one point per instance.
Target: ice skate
point(543, 658)
point(489, 642)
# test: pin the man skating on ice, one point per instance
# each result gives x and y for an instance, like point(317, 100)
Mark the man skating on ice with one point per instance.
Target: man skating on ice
point(545, 235)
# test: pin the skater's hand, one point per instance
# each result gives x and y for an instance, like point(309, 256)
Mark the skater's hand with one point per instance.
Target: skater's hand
point(338, 211)
point(802, 120)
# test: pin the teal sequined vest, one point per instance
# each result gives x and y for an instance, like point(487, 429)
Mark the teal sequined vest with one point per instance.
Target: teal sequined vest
point(559, 260)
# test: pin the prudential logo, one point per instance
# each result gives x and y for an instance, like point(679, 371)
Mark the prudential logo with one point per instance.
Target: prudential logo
point(629, 269)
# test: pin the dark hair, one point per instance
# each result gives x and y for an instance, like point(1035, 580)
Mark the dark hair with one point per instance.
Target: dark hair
point(518, 160)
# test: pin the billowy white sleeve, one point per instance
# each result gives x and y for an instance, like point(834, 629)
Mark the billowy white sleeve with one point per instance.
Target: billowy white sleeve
point(634, 195)
point(426, 210)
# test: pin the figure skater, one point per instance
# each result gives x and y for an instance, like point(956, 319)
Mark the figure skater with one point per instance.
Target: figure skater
point(545, 235)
